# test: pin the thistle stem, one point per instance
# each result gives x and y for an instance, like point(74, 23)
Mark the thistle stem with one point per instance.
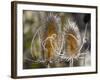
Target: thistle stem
point(48, 65)
point(71, 63)
point(84, 36)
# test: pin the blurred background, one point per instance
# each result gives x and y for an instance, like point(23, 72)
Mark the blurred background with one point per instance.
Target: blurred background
point(38, 20)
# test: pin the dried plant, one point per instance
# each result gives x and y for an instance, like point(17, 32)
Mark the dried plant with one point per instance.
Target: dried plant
point(59, 45)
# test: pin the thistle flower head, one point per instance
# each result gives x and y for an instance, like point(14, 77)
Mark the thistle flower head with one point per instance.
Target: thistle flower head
point(72, 39)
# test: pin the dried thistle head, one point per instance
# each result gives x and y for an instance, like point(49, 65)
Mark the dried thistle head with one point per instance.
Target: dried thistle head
point(50, 36)
point(72, 39)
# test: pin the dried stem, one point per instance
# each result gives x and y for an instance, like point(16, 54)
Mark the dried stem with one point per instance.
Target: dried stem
point(71, 63)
